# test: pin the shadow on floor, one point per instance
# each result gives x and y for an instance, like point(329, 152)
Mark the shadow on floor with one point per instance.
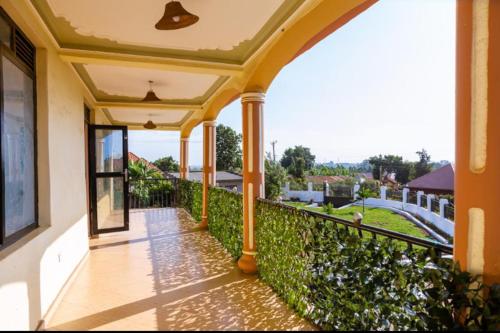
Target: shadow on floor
point(196, 285)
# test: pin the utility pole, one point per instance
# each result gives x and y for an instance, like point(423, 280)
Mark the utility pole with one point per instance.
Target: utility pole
point(273, 143)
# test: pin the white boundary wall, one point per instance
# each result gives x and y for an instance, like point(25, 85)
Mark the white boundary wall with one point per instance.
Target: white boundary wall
point(425, 213)
point(421, 209)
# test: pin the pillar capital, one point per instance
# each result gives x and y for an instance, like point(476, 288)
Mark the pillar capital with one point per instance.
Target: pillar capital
point(210, 123)
point(253, 97)
point(185, 139)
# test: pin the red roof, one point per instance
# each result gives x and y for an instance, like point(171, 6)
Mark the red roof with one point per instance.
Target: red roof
point(441, 179)
point(134, 158)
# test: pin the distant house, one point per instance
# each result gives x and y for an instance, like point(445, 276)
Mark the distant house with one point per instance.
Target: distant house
point(439, 181)
point(224, 179)
point(364, 176)
point(134, 158)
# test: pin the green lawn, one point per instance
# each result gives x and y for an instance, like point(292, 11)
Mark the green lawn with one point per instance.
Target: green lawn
point(377, 217)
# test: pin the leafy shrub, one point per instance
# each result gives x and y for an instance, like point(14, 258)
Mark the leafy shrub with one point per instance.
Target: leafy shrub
point(225, 219)
point(342, 281)
point(190, 197)
point(328, 209)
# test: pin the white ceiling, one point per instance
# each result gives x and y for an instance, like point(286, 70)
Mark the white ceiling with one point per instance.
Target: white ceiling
point(223, 24)
point(133, 82)
point(134, 115)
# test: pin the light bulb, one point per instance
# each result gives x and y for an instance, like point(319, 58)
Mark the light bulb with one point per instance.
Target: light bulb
point(176, 19)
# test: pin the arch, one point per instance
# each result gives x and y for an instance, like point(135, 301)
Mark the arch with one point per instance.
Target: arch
point(317, 24)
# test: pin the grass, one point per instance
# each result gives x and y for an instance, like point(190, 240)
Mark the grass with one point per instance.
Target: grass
point(377, 217)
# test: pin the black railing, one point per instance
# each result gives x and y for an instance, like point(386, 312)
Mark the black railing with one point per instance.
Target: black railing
point(341, 191)
point(412, 198)
point(394, 195)
point(423, 201)
point(151, 193)
point(435, 206)
point(375, 232)
point(449, 212)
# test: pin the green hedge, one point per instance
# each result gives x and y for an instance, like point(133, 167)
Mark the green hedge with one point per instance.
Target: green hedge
point(225, 219)
point(343, 282)
point(189, 196)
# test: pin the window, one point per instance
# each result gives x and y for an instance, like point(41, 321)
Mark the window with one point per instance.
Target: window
point(18, 180)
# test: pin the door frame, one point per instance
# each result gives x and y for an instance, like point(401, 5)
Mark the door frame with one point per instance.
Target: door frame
point(94, 223)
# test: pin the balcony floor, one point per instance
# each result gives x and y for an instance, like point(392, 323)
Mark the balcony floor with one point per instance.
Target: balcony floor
point(165, 274)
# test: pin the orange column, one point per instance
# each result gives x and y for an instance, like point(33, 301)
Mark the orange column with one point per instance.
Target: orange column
point(253, 173)
point(184, 159)
point(209, 160)
point(477, 172)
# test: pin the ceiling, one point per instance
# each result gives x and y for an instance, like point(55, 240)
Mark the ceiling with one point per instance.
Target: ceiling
point(114, 47)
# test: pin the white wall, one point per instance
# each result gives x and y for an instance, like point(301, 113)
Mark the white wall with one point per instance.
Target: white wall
point(35, 268)
point(440, 222)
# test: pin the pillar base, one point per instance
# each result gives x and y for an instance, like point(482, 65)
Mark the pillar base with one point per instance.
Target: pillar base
point(204, 223)
point(247, 264)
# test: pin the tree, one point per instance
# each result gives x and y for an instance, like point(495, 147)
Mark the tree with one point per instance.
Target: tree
point(423, 166)
point(141, 185)
point(364, 193)
point(167, 164)
point(406, 172)
point(140, 170)
point(228, 146)
point(275, 178)
point(297, 160)
point(386, 163)
point(297, 168)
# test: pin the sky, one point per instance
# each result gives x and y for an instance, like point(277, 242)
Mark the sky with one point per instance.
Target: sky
point(384, 83)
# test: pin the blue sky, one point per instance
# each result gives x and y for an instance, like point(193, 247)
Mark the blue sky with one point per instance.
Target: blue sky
point(383, 83)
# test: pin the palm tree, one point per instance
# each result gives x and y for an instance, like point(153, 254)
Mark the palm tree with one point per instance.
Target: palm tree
point(139, 170)
point(140, 173)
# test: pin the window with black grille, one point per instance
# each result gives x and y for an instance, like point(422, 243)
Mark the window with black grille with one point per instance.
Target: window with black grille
point(18, 176)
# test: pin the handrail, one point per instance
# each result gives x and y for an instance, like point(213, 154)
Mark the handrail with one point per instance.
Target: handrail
point(409, 240)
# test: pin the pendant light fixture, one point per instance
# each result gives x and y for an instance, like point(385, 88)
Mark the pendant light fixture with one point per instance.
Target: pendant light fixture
point(151, 96)
point(149, 125)
point(176, 17)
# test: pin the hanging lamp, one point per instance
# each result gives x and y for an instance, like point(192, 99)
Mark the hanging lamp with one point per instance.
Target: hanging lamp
point(151, 96)
point(149, 125)
point(175, 17)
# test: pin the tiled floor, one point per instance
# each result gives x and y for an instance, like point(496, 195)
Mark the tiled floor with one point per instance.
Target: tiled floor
point(165, 274)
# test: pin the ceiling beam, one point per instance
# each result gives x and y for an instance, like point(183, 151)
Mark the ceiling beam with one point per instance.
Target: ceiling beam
point(160, 63)
point(142, 105)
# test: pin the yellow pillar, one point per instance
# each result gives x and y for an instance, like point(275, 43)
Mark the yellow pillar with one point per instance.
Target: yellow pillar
point(184, 159)
point(209, 163)
point(253, 173)
point(477, 172)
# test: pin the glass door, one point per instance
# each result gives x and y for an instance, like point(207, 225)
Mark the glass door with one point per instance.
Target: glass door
point(109, 178)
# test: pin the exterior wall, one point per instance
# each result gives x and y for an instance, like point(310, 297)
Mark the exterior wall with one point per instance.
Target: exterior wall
point(440, 222)
point(35, 268)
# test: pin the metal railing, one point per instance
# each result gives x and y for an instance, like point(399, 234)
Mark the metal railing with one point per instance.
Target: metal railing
point(423, 201)
point(394, 195)
point(435, 206)
point(412, 198)
point(374, 232)
point(449, 212)
point(151, 193)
